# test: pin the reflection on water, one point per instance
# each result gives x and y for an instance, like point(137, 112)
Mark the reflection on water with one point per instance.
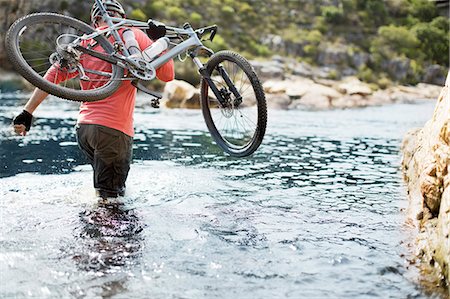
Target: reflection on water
point(314, 213)
point(110, 234)
point(110, 239)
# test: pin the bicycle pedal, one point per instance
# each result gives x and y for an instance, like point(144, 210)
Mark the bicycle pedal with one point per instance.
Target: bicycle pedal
point(155, 103)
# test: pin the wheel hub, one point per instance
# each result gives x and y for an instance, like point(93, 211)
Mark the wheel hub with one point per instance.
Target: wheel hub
point(227, 109)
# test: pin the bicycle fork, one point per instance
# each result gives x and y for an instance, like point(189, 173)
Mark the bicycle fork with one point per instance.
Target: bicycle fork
point(220, 94)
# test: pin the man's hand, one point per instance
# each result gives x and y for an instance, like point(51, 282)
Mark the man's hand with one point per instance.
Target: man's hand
point(22, 123)
point(156, 31)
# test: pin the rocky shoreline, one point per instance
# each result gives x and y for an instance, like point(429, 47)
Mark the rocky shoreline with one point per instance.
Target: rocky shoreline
point(289, 92)
point(426, 165)
point(308, 94)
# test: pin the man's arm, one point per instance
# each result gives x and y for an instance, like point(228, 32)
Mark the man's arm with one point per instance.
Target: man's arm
point(22, 122)
point(165, 72)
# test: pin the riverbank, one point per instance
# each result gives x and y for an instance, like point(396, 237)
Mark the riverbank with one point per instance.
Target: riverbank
point(426, 164)
point(295, 92)
point(286, 92)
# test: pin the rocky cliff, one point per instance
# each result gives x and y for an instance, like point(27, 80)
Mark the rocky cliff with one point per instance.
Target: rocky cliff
point(426, 166)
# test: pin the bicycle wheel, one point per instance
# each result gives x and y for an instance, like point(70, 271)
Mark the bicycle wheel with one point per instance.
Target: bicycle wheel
point(238, 127)
point(38, 42)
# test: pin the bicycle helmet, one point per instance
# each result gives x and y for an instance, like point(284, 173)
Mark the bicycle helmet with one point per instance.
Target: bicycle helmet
point(110, 5)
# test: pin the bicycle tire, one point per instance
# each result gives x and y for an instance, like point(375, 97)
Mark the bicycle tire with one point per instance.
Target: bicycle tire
point(24, 69)
point(252, 145)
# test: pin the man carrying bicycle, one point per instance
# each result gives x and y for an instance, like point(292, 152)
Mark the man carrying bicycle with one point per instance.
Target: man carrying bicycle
point(104, 128)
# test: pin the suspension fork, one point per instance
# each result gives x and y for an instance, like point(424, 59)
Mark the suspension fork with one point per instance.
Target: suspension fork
point(230, 84)
point(213, 86)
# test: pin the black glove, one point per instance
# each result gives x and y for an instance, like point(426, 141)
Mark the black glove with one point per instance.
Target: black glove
point(156, 31)
point(24, 118)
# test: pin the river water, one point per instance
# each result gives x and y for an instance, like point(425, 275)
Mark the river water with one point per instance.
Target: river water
point(314, 213)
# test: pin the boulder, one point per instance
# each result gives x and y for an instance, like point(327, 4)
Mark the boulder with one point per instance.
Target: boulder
point(426, 165)
point(380, 97)
point(434, 74)
point(349, 101)
point(353, 86)
point(329, 92)
point(278, 101)
point(301, 69)
point(269, 69)
point(276, 86)
point(312, 100)
point(177, 93)
point(333, 55)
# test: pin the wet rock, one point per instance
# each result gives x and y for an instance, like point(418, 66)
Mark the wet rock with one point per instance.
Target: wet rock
point(426, 165)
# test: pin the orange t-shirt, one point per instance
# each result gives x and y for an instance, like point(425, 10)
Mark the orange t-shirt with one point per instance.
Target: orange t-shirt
point(115, 111)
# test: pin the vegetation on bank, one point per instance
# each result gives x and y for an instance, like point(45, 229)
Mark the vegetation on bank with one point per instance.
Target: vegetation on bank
point(381, 40)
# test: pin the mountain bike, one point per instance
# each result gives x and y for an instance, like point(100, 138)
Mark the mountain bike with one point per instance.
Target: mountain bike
point(232, 98)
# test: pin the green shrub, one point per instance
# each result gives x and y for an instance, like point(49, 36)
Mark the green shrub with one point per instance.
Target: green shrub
point(195, 18)
point(384, 82)
point(441, 23)
point(392, 41)
point(333, 14)
point(434, 43)
point(366, 74)
point(138, 14)
point(424, 10)
point(175, 13)
point(228, 10)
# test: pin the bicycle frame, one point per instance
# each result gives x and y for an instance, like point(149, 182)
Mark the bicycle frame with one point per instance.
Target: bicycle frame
point(192, 43)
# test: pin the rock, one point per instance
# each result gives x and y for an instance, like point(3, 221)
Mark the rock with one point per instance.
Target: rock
point(313, 101)
point(301, 69)
point(329, 92)
point(278, 101)
point(268, 69)
point(177, 93)
point(434, 74)
point(426, 165)
point(398, 68)
point(192, 102)
point(380, 97)
point(276, 86)
point(428, 91)
point(349, 101)
point(295, 87)
point(333, 55)
point(353, 85)
point(359, 59)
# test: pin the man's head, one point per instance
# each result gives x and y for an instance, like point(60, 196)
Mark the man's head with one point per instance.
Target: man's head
point(113, 7)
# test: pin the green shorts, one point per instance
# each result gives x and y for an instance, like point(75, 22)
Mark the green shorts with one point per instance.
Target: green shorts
point(109, 151)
